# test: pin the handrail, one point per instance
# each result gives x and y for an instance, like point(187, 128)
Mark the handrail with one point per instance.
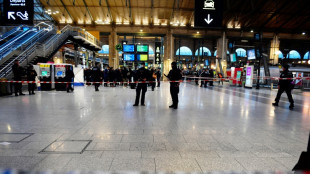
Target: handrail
point(9, 33)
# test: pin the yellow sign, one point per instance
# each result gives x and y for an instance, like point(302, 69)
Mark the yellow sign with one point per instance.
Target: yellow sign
point(45, 66)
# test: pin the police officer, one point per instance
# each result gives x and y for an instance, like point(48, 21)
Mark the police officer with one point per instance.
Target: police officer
point(31, 76)
point(69, 78)
point(174, 75)
point(18, 72)
point(97, 77)
point(142, 75)
point(285, 85)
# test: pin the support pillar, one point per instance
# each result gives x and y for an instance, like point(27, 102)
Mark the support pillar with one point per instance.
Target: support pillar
point(274, 50)
point(113, 53)
point(169, 52)
point(94, 58)
point(77, 55)
point(221, 58)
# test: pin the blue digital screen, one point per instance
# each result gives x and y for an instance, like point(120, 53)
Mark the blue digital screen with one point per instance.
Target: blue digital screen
point(251, 54)
point(207, 62)
point(129, 57)
point(59, 73)
point(129, 48)
point(233, 57)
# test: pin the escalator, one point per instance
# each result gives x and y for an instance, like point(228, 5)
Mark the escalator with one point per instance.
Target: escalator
point(9, 38)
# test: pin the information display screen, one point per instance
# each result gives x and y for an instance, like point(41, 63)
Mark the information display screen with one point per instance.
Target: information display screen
point(129, 57)
point(251, 54)
point(207, 62)
point(142, 57)
point(142, 48)
point(18, 12)
point(249, 76)
point(59, 73)
point(233, 57)
point(43, 73)
point(129, 48)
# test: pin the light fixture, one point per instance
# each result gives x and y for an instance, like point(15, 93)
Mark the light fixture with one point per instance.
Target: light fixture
point(252, 31)
point(156, 24)
point(141, 30)
point(126, 23)
point(197, 32)
point(303, 33)
point(118, 23)
point(308, 61)
point(164, 24)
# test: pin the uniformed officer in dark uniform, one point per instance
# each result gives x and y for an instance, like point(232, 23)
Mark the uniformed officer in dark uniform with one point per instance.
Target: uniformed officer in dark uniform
point(285, 85)
point(69, 78)
point(97, 77)
point(18, 72)
point(142, 75)
point(174, 75)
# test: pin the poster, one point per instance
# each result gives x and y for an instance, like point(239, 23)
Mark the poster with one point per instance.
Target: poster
point(249, 77)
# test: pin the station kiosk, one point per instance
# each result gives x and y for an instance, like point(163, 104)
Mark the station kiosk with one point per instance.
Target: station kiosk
point(60, 76)
point(46, 75)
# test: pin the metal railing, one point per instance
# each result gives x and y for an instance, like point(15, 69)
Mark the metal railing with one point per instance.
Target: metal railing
point(7, 34)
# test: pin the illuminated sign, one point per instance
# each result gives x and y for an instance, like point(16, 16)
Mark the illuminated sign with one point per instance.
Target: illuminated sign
point(208, 13)
point(18, 12)
point(157, 53)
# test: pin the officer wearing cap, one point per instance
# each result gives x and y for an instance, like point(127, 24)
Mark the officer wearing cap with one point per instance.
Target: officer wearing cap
point(142, 75)
point(174, 75)
point(285, 85)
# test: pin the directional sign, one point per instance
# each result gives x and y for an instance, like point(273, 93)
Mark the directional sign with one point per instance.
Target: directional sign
point(208, 13)
point(18, 12)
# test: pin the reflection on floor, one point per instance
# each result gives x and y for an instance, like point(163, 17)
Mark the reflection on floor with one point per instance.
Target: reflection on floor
point(214, 129)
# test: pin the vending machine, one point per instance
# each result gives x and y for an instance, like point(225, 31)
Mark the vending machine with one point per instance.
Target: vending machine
point(46, 76)
point(60, 76)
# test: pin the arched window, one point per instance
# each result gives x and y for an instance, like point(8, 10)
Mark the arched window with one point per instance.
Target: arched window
point(241, 52)
point(203, 51)
point(105, 50)
point(293, 55)
point(184, 51)
point(280, 54)
point(307, 55)
point(215, 53)
point(151, 51)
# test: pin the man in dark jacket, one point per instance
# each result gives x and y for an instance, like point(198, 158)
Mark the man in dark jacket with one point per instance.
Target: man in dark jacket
point(174, 75)
point(96, 73)
point(31, 76)
point(204, 79)
point(142, 75)
point(285, 85)
point(158, 76)
point(18, 72)
point(69, 78)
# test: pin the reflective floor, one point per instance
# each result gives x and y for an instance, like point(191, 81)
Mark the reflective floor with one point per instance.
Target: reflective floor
point(214, 129)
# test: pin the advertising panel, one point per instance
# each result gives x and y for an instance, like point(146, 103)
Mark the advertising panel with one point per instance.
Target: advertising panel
point(249, 76)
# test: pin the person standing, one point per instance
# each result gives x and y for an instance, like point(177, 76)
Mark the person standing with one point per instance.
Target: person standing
point(174, 75)
point(211, 77)
point(31, 76)
point(153, 79)
point(204, 78)
point(69, 78)
point(96, 73)
point(158, 76)
point(285, 85)
point(18, 72)
point(142, 75)
point(106, 76)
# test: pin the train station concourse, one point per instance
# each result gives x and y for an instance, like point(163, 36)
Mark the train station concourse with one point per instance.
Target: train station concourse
point(154, 86)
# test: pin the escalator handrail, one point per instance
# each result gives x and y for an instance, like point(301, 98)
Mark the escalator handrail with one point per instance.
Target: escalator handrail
point(9, 33)
point(19, 36)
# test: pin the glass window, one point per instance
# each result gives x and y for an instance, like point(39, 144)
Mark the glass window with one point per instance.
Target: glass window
point(204, 50)
point(105, 49)
point(184, 51)
point(215, 52)
point(307, 56)
point(293, 55)
point(280, 55)
point(241, 52)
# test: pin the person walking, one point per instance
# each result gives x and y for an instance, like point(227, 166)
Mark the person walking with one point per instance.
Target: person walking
point(142, 75)
point(153, 79)
point(158, 76)
point(174, 75)
point(285, 85)
point(18, 72)
point(69, 78)
point(31, 76)
point(97, 77)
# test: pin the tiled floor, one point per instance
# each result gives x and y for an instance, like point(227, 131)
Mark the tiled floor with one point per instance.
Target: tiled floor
point(214, 129)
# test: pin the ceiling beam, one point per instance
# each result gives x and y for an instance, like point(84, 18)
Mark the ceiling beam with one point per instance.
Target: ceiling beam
point(250, 16)
point(130, 14)
point(292, 17)
point(110, 14)
point(67, 10)
point(91, 17)
point(171, 16)
point(285, 3)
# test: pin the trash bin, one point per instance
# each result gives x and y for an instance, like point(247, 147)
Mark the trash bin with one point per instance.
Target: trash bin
point(5, 88)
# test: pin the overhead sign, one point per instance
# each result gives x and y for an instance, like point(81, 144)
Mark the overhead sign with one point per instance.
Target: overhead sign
point(157, 53)
point(18, 12)
point(208, 13)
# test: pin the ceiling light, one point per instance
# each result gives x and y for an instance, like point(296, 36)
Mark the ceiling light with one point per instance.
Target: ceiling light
point(156, 24)
point(118, 23)
point(141, 30)
point(126, 23)
point(252, 31)
point(303, 33)
point(88, 22)
point(197, 32)
point(164, 24)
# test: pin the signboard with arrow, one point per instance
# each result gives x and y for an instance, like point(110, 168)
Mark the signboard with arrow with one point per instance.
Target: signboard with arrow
point(18, 12)
point(208, 13)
